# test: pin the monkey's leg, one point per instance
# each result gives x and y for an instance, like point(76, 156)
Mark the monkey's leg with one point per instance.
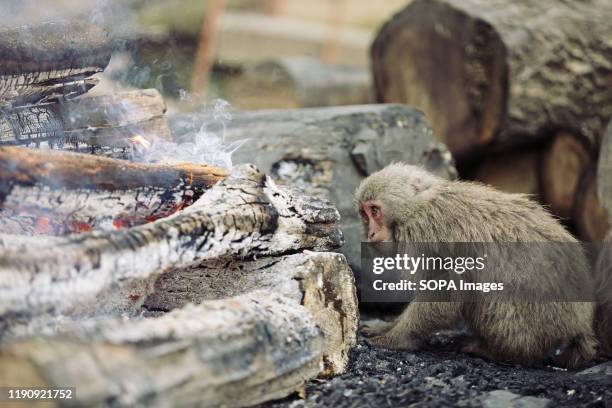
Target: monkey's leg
point(417, 322)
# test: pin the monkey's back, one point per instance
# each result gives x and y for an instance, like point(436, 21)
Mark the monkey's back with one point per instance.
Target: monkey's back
point(534, 254)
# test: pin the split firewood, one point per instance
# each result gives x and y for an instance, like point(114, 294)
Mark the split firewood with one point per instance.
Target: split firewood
point(514, 172)
point(110, 271)
point(590, 217)
point(564, 161)
point(298, 82)
point(99, 124)
point(497, 71)
point(50, 61)
point(232, 352)
point(328, 151)
point(322, 282)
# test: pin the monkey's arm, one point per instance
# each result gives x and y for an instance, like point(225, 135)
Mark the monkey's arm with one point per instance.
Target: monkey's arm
point(417, 322)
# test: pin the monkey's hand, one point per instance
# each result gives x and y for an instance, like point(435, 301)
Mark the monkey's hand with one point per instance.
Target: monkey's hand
point(392, 341)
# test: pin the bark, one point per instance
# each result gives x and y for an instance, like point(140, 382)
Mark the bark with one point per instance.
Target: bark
point(299, 82)
point(564, 161)
point(73, 170)
point(322, 282)
point(100, 124)
point(513, 172)
point(498, 72)
point(328, 151)
point(604, 171)
point(51, 60)
point(591, 220)
point(232, 352)
point(111, 271)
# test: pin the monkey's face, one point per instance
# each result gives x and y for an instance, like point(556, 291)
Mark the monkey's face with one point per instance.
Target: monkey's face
point(373, 216)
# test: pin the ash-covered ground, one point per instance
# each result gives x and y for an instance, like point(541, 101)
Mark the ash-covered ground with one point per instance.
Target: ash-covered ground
point(438, 376)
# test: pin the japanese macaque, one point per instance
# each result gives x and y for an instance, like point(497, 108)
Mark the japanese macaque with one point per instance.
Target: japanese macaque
point(603, 285)
point(404, 203)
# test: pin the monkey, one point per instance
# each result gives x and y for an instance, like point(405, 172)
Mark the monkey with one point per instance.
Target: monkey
point(405, 203)
point(603, 296)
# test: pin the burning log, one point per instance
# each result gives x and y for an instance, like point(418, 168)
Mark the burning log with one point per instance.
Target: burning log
point(328, 151)
point(298, 82)
point(322, 282)
point(57, 193)
point(498, 72)
point(87, 274)
point(231, 352)
point(99, 124)
point(50, 61)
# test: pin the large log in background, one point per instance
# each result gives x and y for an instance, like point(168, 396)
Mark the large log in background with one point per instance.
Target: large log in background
point(298, 82)
point(328, 151)
point(51, 60)
point(232, 352)
point(499, 72)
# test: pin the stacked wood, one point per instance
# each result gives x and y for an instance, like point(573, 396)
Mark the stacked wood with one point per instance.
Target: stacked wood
point(232, 352)
point(298, 82)
point(245, 215)
point(498, 72)
point(100, 124)
point(328, 151)
point(58, 193)
point(563, 164)
point(321, 282)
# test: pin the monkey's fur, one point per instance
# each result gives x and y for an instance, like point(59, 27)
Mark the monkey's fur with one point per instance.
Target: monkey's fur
point(420, 207)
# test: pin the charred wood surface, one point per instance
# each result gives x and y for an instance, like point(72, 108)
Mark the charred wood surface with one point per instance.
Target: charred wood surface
point(111, 271)
point(499, 72)
point(97, 124)
point(50, 61)
point(231, 352)
point(322, 282)
point(328, 151)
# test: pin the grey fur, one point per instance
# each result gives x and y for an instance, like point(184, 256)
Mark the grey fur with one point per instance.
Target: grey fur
point(420, 207)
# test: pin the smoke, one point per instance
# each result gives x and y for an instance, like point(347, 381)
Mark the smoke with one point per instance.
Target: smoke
point(206, 146)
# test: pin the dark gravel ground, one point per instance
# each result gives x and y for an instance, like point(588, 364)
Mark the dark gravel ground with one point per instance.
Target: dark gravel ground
point(440, 377)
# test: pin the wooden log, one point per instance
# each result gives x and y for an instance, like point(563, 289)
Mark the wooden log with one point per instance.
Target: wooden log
point(74, 170)
point(513, 172)
point(298, 82)
point(88, 123)
point(564, 161)
point(604, 171)
point(39, 61)
point(592, 222)
point(322, 282)
point(244, 215)
point(329, 151)
point(48, 192)
point(232, 352)
point(496, 71)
